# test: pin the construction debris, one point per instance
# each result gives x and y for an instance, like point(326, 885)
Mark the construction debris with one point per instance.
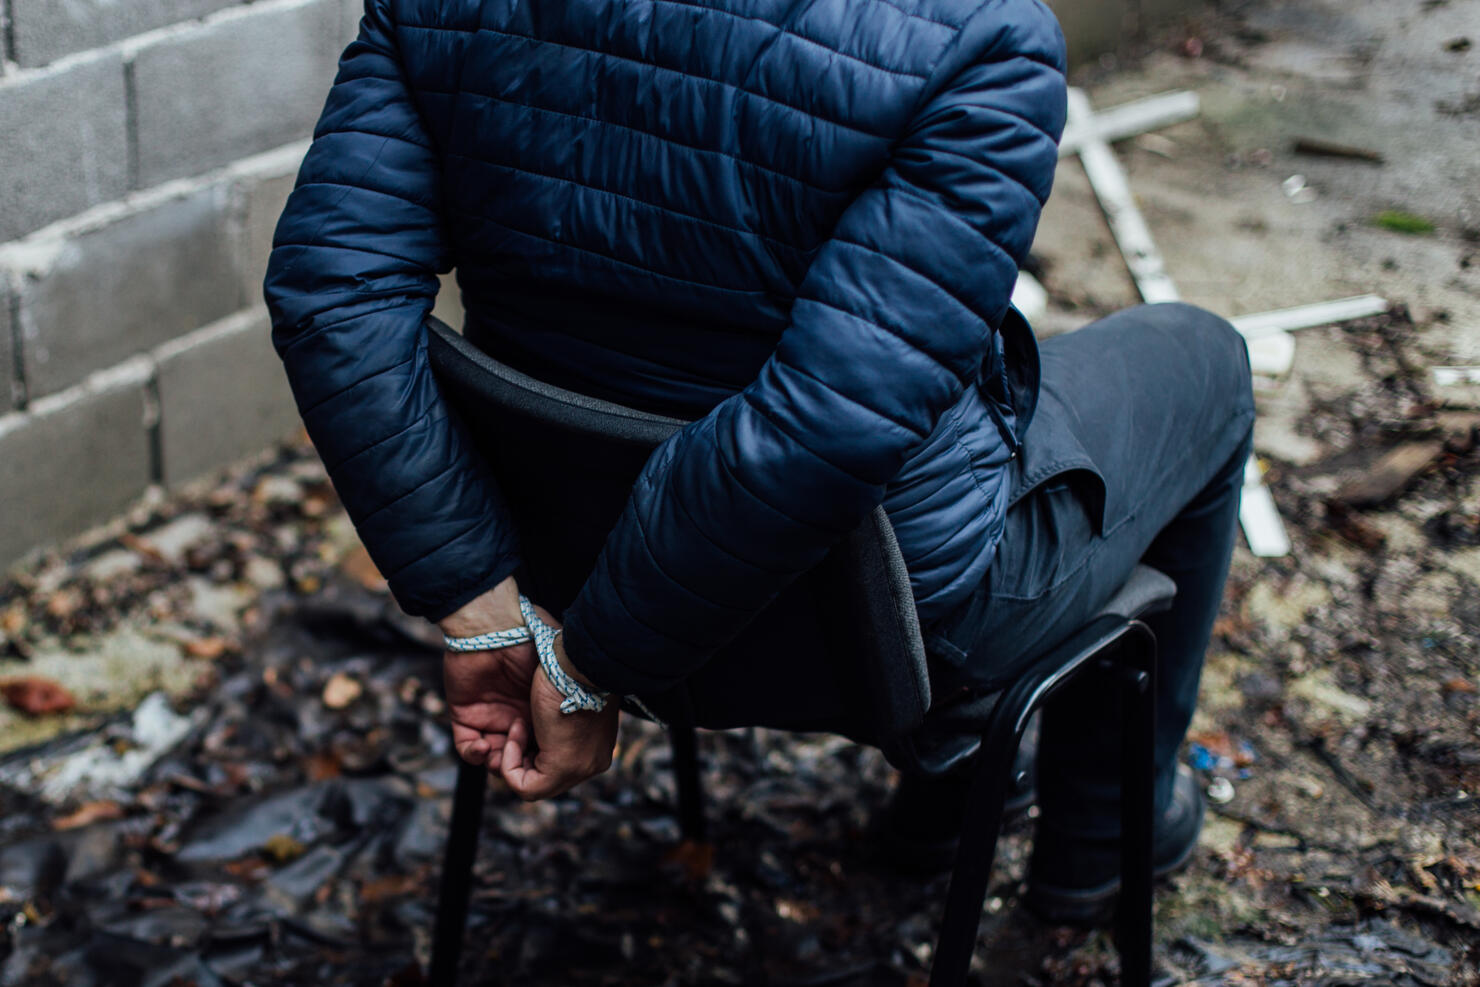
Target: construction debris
point(1129, 120)
point(1308, 316)
point(1111, 188)
point(1453, 376)
point(1263, 529)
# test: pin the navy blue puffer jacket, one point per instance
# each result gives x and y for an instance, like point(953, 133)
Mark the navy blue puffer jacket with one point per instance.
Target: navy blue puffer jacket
point(798, 221)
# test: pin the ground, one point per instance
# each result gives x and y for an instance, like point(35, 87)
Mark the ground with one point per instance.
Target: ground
point(245, 779)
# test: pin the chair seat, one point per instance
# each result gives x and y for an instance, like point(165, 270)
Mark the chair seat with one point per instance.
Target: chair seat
point(1147, 591)
point(951, 734)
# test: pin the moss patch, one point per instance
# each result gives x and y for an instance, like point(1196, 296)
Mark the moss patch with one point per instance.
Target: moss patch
point(1402, 222)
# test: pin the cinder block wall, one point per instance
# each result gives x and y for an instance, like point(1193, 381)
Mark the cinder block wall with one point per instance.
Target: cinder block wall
point(146, 148)
point(1096, 27)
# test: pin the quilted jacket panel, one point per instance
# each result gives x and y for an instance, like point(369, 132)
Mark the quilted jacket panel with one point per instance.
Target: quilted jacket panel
point(797, 221)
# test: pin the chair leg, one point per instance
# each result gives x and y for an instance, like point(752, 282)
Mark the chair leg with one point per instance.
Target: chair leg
point(991, 775)
point(1137, 806)
point(690, 787)
point(457, 873)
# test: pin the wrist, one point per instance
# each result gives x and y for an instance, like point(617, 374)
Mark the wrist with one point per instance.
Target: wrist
point(495, 610)
point(568, 667)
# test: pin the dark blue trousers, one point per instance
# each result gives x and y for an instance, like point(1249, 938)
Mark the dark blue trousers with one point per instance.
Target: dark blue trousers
point(1135, 454)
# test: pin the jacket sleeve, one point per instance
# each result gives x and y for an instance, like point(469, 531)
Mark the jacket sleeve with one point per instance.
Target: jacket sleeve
point(351, 279)
point(890, 324)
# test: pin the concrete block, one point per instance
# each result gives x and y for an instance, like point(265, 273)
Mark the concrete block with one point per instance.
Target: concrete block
point(45, 30)
point(223, 395)
point(449, 307)
point(1093, 27)
point(63, 142)
point(71, 463)
point(352, 11)
point(263, 200)
point(127, 286)
point(233, 87)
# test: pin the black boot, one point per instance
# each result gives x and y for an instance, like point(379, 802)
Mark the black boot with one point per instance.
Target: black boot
point(921, 826)
point(1075, 881)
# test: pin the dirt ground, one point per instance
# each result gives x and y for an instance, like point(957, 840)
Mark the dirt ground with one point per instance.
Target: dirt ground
point(242, 777)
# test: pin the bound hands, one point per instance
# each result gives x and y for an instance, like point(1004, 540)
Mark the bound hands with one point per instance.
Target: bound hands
point(506, 713)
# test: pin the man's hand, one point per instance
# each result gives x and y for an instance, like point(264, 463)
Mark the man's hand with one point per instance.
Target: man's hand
point(487, 691)
point(497, 698)
point(567, 749)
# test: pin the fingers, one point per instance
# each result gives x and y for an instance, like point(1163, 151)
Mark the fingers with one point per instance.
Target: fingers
point(536, 777)
point(477, 747)
point(553, 769)
point(517, 774)
point(470, 744)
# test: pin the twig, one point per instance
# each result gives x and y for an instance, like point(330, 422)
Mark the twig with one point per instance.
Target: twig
point(1383, 895)
point(1349, 781)
point(1306, 843)
point(1331, 149)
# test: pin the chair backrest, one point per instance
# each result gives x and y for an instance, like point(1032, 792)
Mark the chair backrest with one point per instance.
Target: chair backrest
point(839, 650)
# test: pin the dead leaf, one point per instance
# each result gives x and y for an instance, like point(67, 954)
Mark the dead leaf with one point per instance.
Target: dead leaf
point(1458, 684)
point(694, 858)
point(389, 886)
point(796, 911)
point(13, 621)
point(1217, 742)
point(282, 848)
point(409, 975)
point(1391, 474)
point(87, 814)
point(248, 868)
point(1355, 528)
point(316, 506)
point(358, 566)
point(208, 648)
point(341, 690)
point(141, 546)
point(321, 766)
point(37, 696)
point(64, 603)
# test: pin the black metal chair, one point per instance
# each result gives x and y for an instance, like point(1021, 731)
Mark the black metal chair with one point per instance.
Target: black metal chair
point(855, 611)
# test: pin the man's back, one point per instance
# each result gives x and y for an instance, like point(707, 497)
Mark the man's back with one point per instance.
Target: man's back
point(650, 182)
point(801, 220)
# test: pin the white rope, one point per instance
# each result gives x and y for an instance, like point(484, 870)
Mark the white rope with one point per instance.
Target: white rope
point(492, 641)
point(577, 697)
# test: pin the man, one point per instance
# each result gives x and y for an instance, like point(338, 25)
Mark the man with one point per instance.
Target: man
point(798, 222)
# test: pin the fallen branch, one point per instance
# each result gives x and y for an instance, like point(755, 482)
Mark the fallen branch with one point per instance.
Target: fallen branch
point(1359, 788)
point(1331, 149)
point(1391, 474)
point(1381, 894)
